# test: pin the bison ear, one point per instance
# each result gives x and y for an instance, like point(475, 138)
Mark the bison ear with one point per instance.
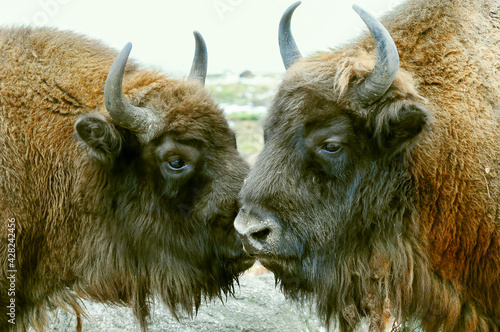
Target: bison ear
point(100, 137)
point(399, 124)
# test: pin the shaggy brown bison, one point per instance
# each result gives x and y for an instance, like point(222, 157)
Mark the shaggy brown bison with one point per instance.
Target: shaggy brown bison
point(110, 192)
point(377, 192)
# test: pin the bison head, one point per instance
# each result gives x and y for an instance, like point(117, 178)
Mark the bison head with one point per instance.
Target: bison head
point(328, 206)
point(163, 176)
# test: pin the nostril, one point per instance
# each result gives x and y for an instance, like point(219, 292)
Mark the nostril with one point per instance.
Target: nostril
point(261, 235)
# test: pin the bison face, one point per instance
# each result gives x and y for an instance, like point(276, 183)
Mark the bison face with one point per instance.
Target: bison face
point(192, 173)
point(333, 182)
point(330, 175)
point(168, 175)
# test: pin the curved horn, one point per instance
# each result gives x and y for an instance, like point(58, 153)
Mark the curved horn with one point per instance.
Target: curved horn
point(199, 67)
point(121, 111)
point(289, 51)
point(386, 64)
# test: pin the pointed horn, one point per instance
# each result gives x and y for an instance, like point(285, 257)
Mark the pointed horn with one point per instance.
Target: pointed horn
point(136, 119)
point(289, 51)
point(199, 66)
point(386, 64)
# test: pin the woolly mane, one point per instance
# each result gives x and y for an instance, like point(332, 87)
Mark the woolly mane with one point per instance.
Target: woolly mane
point(96, 216)
point(398, 220)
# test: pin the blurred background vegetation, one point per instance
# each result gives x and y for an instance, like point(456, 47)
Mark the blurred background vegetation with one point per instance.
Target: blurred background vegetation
point(245, 98)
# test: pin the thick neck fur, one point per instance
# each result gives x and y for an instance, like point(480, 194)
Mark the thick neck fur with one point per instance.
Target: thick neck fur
point(127, 216)
point(109, 234)
point(431, 247)
point(373, 257)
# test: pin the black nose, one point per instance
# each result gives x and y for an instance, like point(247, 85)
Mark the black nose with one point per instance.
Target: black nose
point(259, 232)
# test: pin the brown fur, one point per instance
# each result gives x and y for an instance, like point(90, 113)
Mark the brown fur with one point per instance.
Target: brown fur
point(100, 221)
point(409, 227)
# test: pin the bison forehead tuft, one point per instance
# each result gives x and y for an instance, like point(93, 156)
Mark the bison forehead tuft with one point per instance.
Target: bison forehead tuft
point(321, 88)
point(335, 75)
point(182, 107)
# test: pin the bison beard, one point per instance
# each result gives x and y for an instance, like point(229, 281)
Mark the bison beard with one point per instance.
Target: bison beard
point(376, 193)
point(117, 204)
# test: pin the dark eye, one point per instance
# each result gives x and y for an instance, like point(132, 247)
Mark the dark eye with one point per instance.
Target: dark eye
point(177, 164)
point(331, 147)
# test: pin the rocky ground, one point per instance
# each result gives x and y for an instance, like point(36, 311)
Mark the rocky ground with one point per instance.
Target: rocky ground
point(257, 307)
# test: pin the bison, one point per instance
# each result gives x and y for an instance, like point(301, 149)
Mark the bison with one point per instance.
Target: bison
point(377, 193)
point(117, 183)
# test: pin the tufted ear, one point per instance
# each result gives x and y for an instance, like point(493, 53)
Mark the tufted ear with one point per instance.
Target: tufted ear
point(398, 124)
point(100, 137)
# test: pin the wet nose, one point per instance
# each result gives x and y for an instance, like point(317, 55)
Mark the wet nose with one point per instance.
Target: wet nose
point(259, 232)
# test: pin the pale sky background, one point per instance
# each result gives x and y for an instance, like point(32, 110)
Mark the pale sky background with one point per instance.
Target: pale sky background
point(240, 34)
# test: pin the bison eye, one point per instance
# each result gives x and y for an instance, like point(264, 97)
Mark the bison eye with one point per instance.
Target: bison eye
point(177, 164)
point(331, 148)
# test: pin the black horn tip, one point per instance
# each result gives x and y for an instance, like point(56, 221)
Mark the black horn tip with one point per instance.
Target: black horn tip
point(358, 9)
point(127, 47)
point(136, 119)
point(387, 60)
point(286, 18)
point(288, 48)
point(293, 7)
point(113, 85)
point(368, 18)
point(124, 54)
point(199, 38)
point(200, 62)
